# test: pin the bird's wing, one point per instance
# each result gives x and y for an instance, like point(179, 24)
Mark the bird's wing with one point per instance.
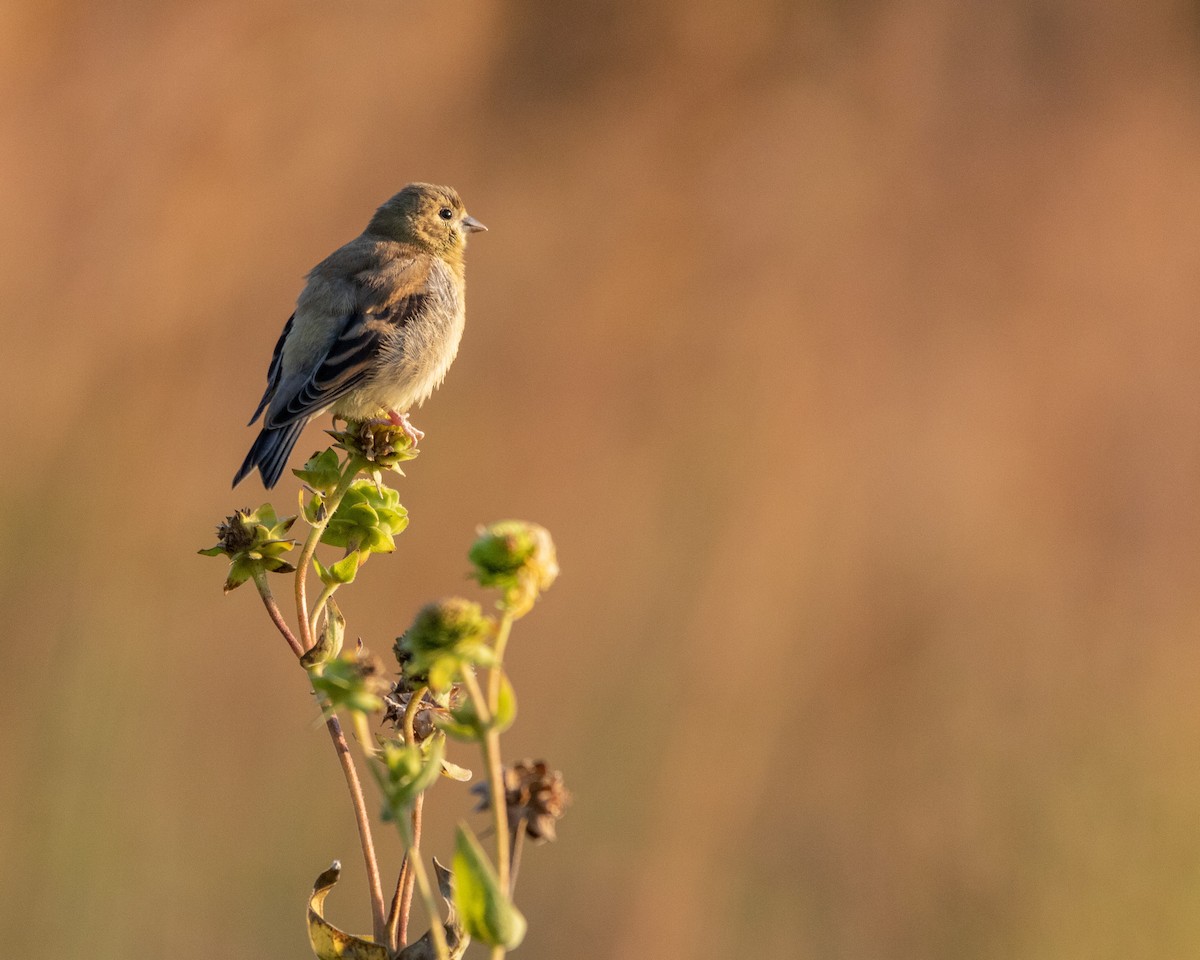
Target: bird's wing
point(382, 305)
point(273, 370)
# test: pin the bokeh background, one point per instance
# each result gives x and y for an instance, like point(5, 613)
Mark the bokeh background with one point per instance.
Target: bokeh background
point(850, 352)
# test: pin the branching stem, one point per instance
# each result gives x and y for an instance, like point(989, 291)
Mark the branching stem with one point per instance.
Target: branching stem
point(436, 930)
point(345, 758)
point(402, 901)
point(264, 591)
point(329, 506)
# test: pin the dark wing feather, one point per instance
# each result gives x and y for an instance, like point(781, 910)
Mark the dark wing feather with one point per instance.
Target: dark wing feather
point(273, 370)
point(349, 360)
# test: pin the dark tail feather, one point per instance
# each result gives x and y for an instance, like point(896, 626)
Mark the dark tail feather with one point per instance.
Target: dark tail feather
point(270, 453)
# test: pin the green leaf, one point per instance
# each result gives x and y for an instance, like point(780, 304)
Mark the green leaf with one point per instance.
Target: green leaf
point(442, 672)
point(347, 686)
point(346, 569)
point(240, 570)
point(487, 912)
point(410, 770)
point(506, 706)
point(323, 572)
point(467, 733)
point(378, 540)
point(466, 716)
point(322, 472)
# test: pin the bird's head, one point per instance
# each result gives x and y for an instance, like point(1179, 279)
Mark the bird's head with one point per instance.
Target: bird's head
point(428, 216)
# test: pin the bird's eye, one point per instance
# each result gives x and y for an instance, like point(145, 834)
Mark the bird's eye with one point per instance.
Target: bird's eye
point(445, 213)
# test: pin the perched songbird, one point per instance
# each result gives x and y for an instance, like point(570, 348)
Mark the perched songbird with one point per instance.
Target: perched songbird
point(375, 328)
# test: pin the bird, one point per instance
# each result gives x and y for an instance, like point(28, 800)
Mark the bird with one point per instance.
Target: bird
point(375, 328)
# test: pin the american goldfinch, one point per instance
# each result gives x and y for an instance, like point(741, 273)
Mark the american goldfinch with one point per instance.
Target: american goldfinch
point(375, 328)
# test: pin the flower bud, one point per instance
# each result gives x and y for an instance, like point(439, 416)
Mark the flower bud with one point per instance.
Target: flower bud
point(378, 442)
point(321, 472)
point(517, 557)
point(444, 637)
point(254, 541)
point(367, 520)
point(353, 681)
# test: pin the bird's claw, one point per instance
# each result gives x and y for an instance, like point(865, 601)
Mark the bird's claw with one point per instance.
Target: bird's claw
point(401, 420)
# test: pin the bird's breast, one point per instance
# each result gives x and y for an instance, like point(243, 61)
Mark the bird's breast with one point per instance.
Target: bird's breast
point(417, 355)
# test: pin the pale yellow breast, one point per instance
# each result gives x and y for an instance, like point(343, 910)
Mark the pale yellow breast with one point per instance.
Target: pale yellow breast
point(415, 360)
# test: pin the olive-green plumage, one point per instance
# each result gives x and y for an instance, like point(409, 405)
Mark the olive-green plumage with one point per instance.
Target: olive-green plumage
point(375, 328)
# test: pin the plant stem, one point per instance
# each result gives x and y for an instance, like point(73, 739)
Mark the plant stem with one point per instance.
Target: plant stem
point(398, 938)
point(402, 901)
point(378, 913)
point(472, 684)
point(491, 745)
point(346, 760)
point(491, 756)
point(499, 805)
point(436, 931)
point(321, 598)
point(497, 672)
point(264, 591)
point(329, 505)
point(497, 800)
point(518, 844)
point(410, 713)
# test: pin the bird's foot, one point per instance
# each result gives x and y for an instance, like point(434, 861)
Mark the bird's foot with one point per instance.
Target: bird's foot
point(401, 420)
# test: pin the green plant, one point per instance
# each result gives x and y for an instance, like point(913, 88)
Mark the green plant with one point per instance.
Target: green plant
point(451, 683)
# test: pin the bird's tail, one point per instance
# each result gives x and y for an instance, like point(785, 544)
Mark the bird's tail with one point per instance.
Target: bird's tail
point(270, 453)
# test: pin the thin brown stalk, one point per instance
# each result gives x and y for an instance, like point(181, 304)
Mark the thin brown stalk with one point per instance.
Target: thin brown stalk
point(394, 942)
point(264, 591)
point(378, 913)
point(346, 759)
point(518, 844)
point(437, 931)
point(402, 902)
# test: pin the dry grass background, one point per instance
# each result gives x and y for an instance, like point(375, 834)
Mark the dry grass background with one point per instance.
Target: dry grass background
point(848, 349)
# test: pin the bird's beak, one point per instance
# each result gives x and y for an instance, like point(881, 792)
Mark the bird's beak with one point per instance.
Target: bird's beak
point(471, 225)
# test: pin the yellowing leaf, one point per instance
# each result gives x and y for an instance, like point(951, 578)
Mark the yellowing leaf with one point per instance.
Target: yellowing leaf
point(328, 942)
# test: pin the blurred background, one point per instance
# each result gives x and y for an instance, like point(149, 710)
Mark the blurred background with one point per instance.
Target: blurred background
point(849, 351)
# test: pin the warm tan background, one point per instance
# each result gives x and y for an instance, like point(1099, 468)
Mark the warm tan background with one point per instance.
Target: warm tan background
point(848, 349)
